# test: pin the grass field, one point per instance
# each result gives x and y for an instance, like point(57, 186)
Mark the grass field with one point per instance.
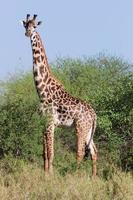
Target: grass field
point(30, 182)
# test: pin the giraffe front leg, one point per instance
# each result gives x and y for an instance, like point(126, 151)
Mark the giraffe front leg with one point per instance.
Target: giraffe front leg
point(49, 148)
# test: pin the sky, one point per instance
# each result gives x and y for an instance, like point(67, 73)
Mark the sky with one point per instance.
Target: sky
point(70, 28)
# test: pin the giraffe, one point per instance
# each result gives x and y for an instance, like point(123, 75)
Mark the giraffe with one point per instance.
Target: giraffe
point(59, 107)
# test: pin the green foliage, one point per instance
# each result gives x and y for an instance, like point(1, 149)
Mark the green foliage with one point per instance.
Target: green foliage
point(10, 165)
point(104, 82)
point(20, 125)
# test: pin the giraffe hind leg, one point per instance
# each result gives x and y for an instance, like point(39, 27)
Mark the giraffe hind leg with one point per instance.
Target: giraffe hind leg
point(80, 149)
point(87, 151)
point(80, 141)
point(87, 142)
point(93, 152)
point(45, 153)
point(91, 149)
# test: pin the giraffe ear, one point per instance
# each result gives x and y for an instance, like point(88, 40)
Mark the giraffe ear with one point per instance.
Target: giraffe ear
point(22, 22)
point(38, 23)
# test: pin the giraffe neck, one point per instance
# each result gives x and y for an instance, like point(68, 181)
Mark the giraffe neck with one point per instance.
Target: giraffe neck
point(38, 51)
point(41, 70)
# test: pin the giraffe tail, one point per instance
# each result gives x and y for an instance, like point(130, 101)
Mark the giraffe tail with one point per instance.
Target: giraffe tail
point(89, 138)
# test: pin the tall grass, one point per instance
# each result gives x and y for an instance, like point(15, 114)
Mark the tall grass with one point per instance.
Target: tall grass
point(30, 182)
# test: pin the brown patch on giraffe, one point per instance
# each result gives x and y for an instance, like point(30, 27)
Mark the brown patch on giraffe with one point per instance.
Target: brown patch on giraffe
point(53, 89)
point(61, 96)
point(35, 73)
point(42, 100)
point(44, 62)
point(50, 100)
point(42, 50)
point(42, 57)
point(41, 69)
point(65, 101)
point(77, 101)
point(53, 97)
point(34, 61)
point(58, 87)
point(37, 82)
point(56, 93)
point(53, 83)
point(46, 77)
point(46, 89)
point(49, 80)
point(60, 101)
point(36, 52)
point(43, 95)
point(59, 116)
point(37, 59)
point(37, 36)
point(33, 50)
point(34, 37)
point(65, 95)
point(39, 45)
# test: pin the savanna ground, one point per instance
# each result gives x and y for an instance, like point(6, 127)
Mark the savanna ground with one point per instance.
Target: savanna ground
point(29, 182)
point(107, 84)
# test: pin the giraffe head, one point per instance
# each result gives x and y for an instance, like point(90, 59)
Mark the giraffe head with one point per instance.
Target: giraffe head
point(30, 25)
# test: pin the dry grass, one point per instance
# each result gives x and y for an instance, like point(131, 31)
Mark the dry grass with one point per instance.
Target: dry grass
point(32, 184)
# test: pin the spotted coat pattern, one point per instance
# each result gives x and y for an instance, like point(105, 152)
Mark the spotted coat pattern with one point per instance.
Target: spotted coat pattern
point(60, 108)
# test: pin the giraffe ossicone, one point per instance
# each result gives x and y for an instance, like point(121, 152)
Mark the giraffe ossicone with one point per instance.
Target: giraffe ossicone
point(58, 105)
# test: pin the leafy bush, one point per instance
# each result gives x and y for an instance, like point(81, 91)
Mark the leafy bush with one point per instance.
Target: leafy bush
point(20, 125)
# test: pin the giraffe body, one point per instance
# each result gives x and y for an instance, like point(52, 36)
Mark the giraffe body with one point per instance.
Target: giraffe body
point(60, 108)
